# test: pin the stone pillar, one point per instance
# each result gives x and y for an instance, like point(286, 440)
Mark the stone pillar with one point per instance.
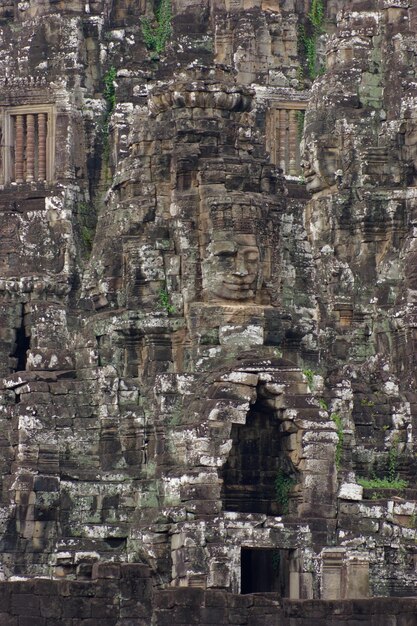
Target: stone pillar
point(294, 566)
point(42, 146)
point(272, 135)
point(332, 569)
point(292, 143)
point(19, 144)
point(282, 128)
point(30, 147)
point(357, 584)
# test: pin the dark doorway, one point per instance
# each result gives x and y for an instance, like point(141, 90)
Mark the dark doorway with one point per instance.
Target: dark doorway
point(265, 570)
point(258, 476)
point(22, 345)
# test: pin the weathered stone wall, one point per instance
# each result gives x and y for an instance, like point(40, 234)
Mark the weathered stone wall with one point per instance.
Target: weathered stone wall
point(201, 352)
point(124, 596)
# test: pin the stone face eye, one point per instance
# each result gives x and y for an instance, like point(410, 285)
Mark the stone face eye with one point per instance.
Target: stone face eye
point(225, 253)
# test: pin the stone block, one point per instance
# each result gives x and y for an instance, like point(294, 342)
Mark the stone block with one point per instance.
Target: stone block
point(332, 585)
point(106, 570)
point(6, 619)
point(102, 609)
point(163, 617)
point(78, 608)
point(31, 621)
point(403, 620)
point(25, 604)
point(237, 616)
point(213, 615)
point(134, 570)
point(76, 588)
point(100, 621)
point(189, 615)
point(50, 606)
point(46, 483)
point(239, 602)
point(350, 491)
point(5, 598)
point(164, 599)
point(357, 578)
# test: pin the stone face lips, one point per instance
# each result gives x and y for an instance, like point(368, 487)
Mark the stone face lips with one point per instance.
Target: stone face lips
point(201, 354)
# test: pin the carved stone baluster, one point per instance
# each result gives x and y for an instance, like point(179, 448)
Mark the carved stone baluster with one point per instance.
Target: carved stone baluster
point(42, 146)
point(30, 147)
point(292, 143)
point(283, 140)
point(19, 146)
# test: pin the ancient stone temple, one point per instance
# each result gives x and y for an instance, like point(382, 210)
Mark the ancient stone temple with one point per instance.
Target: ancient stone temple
point(208, 322)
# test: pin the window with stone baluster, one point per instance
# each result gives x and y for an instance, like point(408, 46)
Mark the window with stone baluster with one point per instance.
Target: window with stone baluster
point(27, 140)
point(284, 132)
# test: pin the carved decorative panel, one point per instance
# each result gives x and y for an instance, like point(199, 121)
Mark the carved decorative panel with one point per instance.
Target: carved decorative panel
point(27, 137)
point(284, 131)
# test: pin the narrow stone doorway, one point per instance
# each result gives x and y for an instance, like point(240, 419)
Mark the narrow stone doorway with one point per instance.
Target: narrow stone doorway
point(265, 570)
point(21, 345)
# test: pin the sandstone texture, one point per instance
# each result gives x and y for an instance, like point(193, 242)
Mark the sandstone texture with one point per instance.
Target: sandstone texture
point(208, 292)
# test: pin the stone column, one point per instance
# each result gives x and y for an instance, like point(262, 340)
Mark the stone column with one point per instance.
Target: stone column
point(283, 123)
point(42, 146)
point(331, 583)
point(292, 143)
point(357, 578)
point(19, 144)
point(30, 147)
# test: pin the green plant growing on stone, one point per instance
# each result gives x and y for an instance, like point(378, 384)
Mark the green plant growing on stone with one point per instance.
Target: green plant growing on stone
point(164, 301)
point(300, 71)
point(382, 483)
point(87, 236)
point(316, 14)
point(376, 496)
point(309, 374)
point(283, 486)
point(109, 94)
point(157, 32)
point(110, 89)
point(308, 37)
point(86, 219)
point(337, 420)
point(323, 404)
point(392, 479)
point(300, 115)
point(368, 403)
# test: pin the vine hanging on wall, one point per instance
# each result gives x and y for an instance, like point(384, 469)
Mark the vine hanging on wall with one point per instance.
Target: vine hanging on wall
point(309, 35)
point(157, 32)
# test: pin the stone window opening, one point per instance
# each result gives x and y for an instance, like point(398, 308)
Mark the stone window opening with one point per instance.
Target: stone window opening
point(265, 570)
point(28, 144)
point(259, 476)
point(284, 133)
point(21, 345)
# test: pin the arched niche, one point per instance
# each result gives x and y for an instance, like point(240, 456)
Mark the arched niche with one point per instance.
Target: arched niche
point(259, 475)
point(279, 457)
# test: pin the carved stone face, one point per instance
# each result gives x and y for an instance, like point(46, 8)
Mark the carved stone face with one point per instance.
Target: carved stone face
point(232, 270)
point(320, 162)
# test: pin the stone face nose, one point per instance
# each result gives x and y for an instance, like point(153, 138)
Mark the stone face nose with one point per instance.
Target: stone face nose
point(240, 267)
